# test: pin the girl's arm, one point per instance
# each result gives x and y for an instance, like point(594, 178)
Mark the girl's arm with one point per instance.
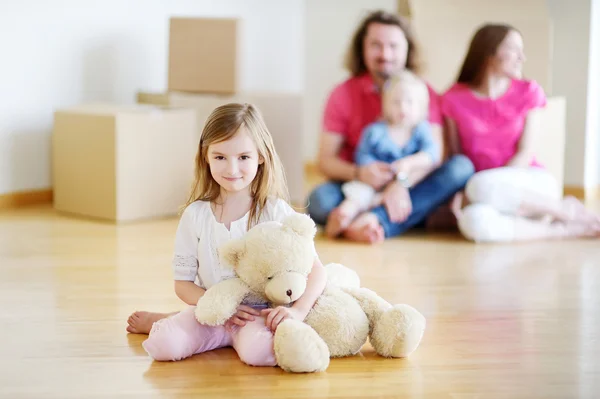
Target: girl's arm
point(188, 291)
point(317, 280)
point(525, 150)
point(314, 288)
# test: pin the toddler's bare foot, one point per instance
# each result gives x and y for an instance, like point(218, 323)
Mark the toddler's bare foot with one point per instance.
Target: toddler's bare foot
point(141, 322)
point(340, 218)
point(365, 228)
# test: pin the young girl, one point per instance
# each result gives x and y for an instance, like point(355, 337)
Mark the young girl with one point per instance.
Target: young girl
point(239, 183)
point(492, 117)
point(402, 140)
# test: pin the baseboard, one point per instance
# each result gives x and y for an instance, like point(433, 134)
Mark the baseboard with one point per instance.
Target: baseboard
point(25, 198)
point(583, 193)
point(311, 168)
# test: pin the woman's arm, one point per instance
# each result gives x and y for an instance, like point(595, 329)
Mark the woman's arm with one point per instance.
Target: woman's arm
point(528, 140)
point(452, 135)
point(188, 291)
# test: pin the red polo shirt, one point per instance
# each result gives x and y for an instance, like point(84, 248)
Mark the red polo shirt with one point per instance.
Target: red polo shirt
point(354, 104)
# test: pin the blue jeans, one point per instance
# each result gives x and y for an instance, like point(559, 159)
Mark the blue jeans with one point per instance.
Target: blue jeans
point(433, 191)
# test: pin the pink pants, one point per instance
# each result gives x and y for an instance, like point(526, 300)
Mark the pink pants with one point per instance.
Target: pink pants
point(180, 336)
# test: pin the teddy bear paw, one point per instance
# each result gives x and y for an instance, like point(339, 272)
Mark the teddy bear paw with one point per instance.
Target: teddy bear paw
point(299, 349)
point(398, 332)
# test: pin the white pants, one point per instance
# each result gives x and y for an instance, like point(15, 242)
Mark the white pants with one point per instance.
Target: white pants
point(495, 197)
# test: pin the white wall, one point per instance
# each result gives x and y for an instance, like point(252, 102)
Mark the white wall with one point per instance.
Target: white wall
point(64, 52)
point(329, 29)
point(570, 78)
point(594, 97)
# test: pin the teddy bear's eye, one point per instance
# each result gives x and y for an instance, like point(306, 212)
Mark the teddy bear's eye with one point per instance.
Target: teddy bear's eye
point(270, 278)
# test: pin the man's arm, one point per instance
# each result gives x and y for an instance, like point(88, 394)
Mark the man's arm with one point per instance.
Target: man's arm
point(328, 161)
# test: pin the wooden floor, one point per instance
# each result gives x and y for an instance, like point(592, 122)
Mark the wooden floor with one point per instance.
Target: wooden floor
point(520, 321)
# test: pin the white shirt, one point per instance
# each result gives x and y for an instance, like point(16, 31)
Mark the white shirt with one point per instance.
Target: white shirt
point(199, 234)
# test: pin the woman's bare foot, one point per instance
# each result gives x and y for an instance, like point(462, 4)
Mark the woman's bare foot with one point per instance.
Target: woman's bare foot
point(577, 212)
point(340, 218)
point(582, 230)
point(141, 322)
point(365, 228)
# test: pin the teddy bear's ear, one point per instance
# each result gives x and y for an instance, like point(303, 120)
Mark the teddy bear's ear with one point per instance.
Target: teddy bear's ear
point(301, 224)
point(231, 252)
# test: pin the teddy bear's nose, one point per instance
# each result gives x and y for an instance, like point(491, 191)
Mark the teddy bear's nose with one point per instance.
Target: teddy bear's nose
point(288, 292)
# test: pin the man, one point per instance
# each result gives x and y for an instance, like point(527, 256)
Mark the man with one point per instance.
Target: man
point(382, 45)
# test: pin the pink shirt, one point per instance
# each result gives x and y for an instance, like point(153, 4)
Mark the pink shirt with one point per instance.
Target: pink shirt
point(489, 130)
point(356, 103)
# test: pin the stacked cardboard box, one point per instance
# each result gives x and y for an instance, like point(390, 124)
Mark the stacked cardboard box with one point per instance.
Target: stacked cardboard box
point(133, 162)
point(204, 69)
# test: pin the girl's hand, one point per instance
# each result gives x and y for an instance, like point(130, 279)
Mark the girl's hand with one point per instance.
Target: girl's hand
point(244, 313)
point(279, 314)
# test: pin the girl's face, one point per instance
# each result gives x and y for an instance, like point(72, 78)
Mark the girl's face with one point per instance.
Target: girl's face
point(509, 58)
point(403, 106)
point(234, 162)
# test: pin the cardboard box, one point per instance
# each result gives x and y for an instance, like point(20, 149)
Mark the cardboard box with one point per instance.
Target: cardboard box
point(283, 115)
point(122, 163)
point(203, 55)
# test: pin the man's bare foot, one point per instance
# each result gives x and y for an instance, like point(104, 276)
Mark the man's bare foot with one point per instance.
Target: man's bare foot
point(141, 322)
point(365, 228)
point(339, 219)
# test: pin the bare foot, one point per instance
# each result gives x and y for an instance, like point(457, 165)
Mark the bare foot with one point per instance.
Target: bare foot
point(577, 211)
point(583, 230)
point(365, 228)
point(339, 219)
point(141, 322)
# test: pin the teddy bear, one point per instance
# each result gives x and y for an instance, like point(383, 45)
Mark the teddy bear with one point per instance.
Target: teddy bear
point(272, 262)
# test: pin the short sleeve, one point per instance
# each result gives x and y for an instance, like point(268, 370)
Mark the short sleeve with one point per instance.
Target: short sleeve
point(336, 115)
point(446, 102)
point(366, 146)
point(435, 112)
point(445, 107)
point(280, 210)
point(185, 257)
point(536, 97)
point(426, 142)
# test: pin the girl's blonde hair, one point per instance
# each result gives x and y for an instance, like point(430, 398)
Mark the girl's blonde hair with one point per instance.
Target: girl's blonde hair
point(222, 124)
point(411, 81)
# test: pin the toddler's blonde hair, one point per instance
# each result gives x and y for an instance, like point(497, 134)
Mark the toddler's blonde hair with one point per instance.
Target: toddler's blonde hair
point(407, 80)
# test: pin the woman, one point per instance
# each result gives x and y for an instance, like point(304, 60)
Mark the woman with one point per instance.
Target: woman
point(382, 46)
point(492, 116)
